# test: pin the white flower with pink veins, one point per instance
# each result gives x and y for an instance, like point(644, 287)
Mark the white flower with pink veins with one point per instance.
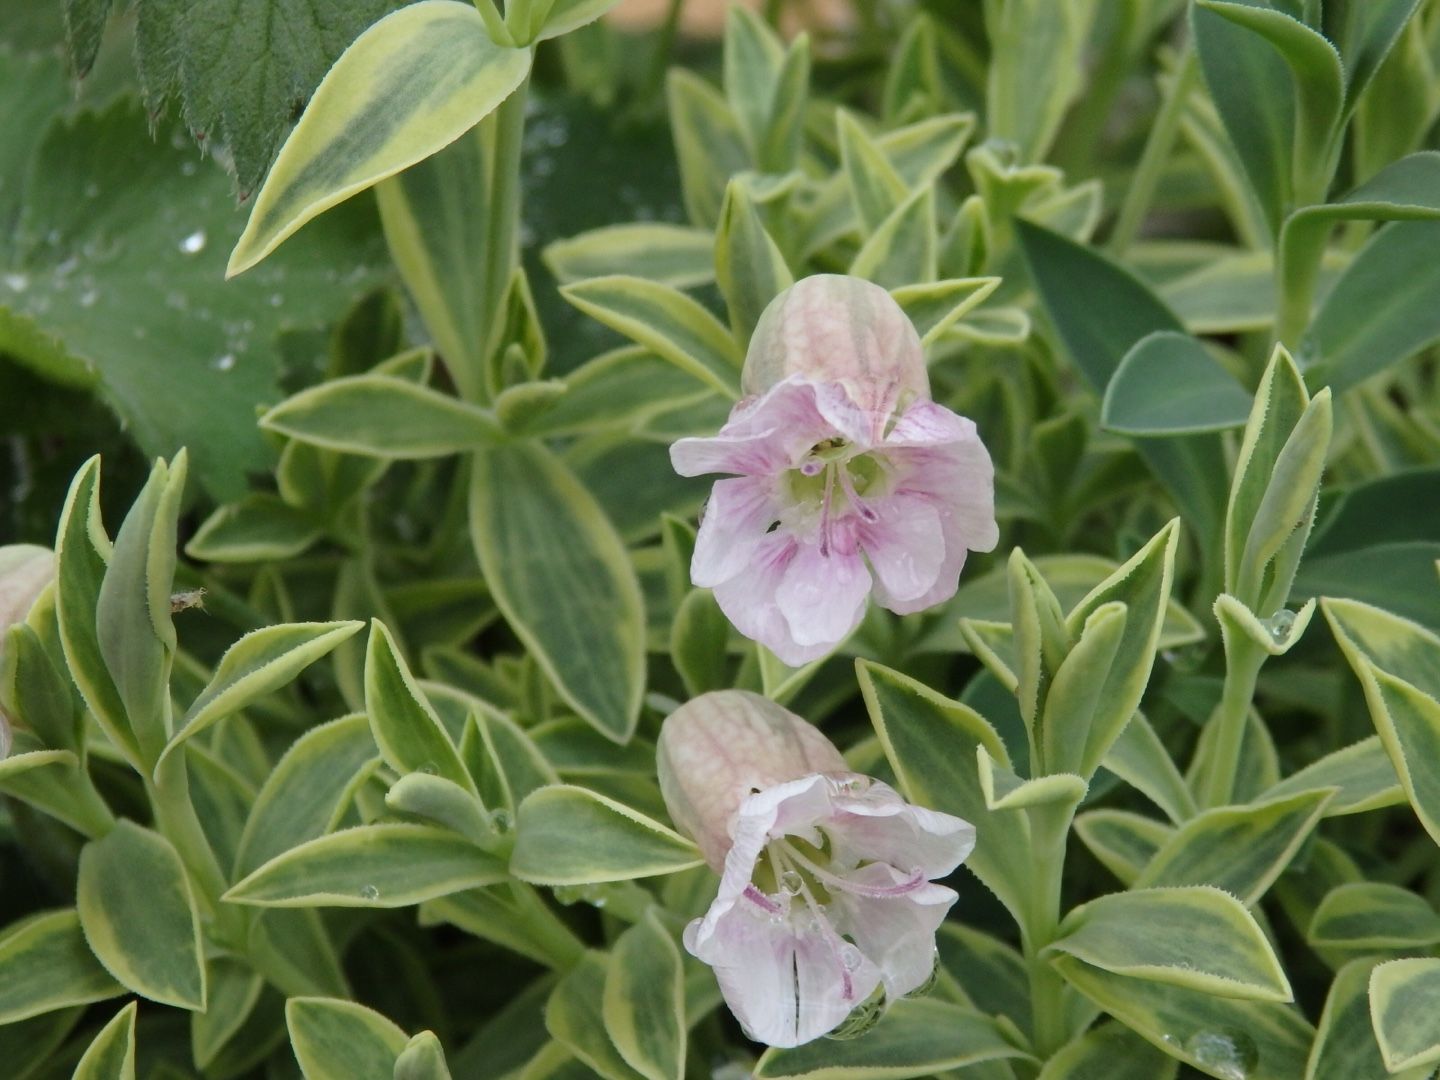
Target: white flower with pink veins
point(847, 478)
point(826, 891)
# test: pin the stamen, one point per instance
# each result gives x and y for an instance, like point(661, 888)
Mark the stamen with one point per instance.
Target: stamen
point(825, 512)
point(835, 881)
point(811, 467)
point(760, 900)
point(847, 485)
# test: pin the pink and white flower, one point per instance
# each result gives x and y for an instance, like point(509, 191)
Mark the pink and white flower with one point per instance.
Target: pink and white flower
point(826, 893)
point(846, 478)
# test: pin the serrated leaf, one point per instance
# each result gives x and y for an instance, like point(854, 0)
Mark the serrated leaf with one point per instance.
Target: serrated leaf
point(383, 866)
point(340, 1040)
point(644, 1000)
point(665, 321)
point(562, 578)
point(1239, 849)
point(1141, 759)
point(139, 916)
point(1403, 996)
point(914, 1038)
point(383, 416)
point(45, 964)
point(1006, 791)
point(1124, 842)
point(258, 664)
point(1345, 1045)
point(1362, 774)
point(934, 307)
point(573, 1015)
point(1195, 937)
point(410, 85)
point(443, 802)
point(259, 528)
point(568, 835)
point(111, 1054)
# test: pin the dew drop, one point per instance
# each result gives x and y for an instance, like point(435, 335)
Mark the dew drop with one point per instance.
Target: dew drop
point(1280, 624)
point(1228, 1054)
point(500, 820)
point(223, 363)
point(194, 243)
point(276, 299)
point(88, 298)
point(851, 957)
point(429, 769)
point(791, 882)
point(369, 892)
point(16, 282)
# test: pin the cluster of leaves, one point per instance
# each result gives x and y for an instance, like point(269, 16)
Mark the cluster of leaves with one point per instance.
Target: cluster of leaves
point(1206, 826)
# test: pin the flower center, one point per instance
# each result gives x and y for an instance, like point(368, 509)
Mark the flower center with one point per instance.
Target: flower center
point(834, 480)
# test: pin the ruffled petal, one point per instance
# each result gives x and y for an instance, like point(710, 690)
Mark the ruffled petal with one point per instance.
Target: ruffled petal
point(905, 546)
point(876, 825)
point(822, 597)
point(763, 437)
point(896, 933)
point(749, 600)
point(737, 516)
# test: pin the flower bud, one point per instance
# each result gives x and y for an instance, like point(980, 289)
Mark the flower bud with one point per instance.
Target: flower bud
point(718, 748)
point(836, 329)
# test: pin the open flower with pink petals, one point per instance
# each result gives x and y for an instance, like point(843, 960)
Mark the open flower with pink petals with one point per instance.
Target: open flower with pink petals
point(846, 479)
point(826, 895)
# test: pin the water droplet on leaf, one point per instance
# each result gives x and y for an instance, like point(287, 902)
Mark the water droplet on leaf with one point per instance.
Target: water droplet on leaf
point(1280, 624)
point(1230, 1054)
point(223, 363)
point(194, 243)
point(369, 892)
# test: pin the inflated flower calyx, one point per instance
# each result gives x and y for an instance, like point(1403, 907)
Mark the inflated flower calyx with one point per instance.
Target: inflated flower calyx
point(846, 479)
point(827, 907)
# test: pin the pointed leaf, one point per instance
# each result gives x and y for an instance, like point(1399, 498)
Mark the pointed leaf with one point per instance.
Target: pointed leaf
point(45, 964)
point(340, 1040)
point(406, 728)
point(644, 1000)
point(111, 1054)
point(1169, 384)
point(567, 835)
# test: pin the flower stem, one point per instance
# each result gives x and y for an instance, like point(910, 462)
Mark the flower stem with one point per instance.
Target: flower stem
point(1152, 159)
point(1049, 830)
point(1243, 661)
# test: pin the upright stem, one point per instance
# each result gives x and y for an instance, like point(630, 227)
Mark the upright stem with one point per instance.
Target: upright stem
point(502, 229)
point(1049, 828)
point(1243, 661)
point(1152, 159)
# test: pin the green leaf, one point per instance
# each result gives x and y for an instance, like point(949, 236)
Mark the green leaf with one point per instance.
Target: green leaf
point(1143, 585)
point(443, 802)
point(383, 416)
point(1241, 849)
point(667, 322)
point(307, 791)
point(258, 664)
point(675, 255)
point(411, 84)
point(1222, 1037)
point(422, 1059)
point(296, 951)
point(259, 528)
point(405, 726)
point(1078, 697)
point(749, 268)
point(1398, 664)
point(644, 1000)
point(1403, 999)
point(573, 1015)
point(934, 307)
point(1037, 69)
point(1140, 759)
point(561, 576)
point(1170, 384)
point(111, 1054)
point(1108, 1053)
point(1364, 32)
point(1124, 842)
point(1361, 773)
point(930, 742)
point(876, 187)
point(340, 1040)
point(1377, 313)
point(618, 390)
point(753, 57)
point(1195, 937)
point(567, 835)
point(103, 195)
point(985, 969)
point(1345, 1045)
point(233, 992)
point(1100, 312)
point(902, 248)
point(1006, 791)
point(698, 638)
point(913, 1038)
point(382, 866)
point(36, 692)
point(1374, 916)
point(708, 144)
point(139, 915)
point(567, 15)
point(45, 964)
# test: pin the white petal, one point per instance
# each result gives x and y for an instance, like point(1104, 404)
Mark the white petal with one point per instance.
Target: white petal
point(897, 934)
point(823, 596)
point(877, 824)
point(736, 518)
point(749, 601)
point(763, 436)
point(905, 546)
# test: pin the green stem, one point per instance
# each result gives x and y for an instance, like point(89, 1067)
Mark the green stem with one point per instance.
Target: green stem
point(1243, 661)
point(176, 818)
point(502, 229)
point(1049, 829)
point(1152, 159)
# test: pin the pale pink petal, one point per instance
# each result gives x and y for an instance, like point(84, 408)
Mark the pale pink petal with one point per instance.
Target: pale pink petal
point(739, 513)
point(927, 424)
point(764, 436)
point(876, 824)
point(905, 546)
point(749, 601)
point(896, 933)
point(947, 580)
point(856, 423)
point(822, 596)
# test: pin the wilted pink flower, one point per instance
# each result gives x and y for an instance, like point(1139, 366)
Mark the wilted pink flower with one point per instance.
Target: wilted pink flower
point(847, 477)
point(826, 890)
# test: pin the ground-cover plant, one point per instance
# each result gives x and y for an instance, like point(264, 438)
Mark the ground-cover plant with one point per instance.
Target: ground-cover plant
point(429, 709)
